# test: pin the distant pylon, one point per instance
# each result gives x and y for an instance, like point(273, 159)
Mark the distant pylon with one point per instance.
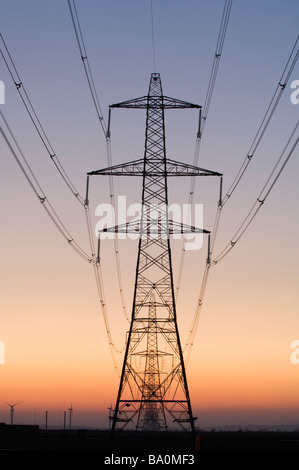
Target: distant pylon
point(151, 415)
point(70, 416)
point(153, 394)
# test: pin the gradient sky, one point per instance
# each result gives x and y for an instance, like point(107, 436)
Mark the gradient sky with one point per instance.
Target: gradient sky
point(56, 347)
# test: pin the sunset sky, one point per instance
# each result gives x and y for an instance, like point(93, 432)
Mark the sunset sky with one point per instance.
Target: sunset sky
point(57, 352)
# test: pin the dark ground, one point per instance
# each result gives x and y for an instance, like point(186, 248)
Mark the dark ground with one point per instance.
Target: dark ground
point(20, 437)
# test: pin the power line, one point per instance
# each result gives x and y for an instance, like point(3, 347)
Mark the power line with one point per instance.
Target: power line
point(216, 61)
point(268, 115)
point(35, 120)
point(34, 183)
point(266, 118)
point(267, 188)
point(247, 221)
point(261, 199)
point(106, 130)
point(100, 287)
point(204, 113)
point(41, 196)
point(85, 61)
point(153, 36)
point(35, 186)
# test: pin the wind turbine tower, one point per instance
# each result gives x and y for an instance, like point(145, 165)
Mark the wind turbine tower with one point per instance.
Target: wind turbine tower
point(71, 411)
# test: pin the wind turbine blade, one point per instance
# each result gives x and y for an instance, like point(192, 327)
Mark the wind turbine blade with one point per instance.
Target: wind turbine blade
point(12, 405)
point(17, 403)
point(6, 403)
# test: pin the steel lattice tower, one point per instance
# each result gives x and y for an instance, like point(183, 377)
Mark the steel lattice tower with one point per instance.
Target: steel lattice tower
point(153, 393)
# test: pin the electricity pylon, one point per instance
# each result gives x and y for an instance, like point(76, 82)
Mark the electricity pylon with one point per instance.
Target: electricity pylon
point(153, 393)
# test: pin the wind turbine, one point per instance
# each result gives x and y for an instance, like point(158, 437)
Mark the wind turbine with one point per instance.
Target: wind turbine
point(12, 410)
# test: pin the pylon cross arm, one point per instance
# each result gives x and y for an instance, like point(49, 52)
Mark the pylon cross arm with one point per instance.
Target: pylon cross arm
point(155, 101)
point(137, 168)
point(153, 228)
